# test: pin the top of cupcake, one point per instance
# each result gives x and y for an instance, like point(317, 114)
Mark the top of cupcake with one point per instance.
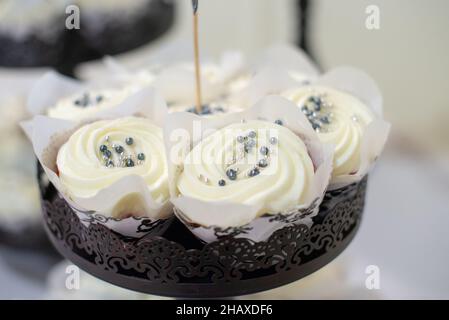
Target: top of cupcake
point(252, 163)
point(339, 119)
point(88, 103)
point(100, 153)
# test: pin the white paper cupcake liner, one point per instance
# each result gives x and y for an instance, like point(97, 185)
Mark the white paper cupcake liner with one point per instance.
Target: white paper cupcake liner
point(48, 135)
point(347, 79)
point(207, 219)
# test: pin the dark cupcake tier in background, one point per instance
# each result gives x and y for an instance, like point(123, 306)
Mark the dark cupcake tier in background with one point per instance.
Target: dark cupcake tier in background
point(119, 35)
point(99, 35)
point(179, 265)
point(30, 52)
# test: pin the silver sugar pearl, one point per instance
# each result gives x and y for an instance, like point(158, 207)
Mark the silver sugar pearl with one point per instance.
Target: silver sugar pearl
point(325, 120)
point(141, 156)
point(316, 126)
point(279, 122)
point(231, 174)
point(264, 150)
point(252, 134)
point(263, 163)
point(251, 143)
point(129, 141)
point(253, 172)
point(109, 163)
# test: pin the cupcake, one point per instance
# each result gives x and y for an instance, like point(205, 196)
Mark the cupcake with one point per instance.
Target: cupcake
point(111, 27)
point(31, 32)
point(20, 218)
point(339, 118)
point(99, 154)
point(63, 98)
point(87, 104)
point(275, 69)
point(176, 83)
point(276, 179)
point(111, 171)
point(263, 170)
point(345, 117)
point(291, 59)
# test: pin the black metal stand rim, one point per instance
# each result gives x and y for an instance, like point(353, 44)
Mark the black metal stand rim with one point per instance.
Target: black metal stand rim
point(204, 290)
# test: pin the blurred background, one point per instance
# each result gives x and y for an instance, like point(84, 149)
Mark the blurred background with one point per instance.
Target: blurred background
point(407, 213)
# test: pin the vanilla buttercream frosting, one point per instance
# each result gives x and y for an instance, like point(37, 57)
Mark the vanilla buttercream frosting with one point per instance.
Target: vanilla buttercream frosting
point(339, 118)
point(252, 163)
point(88, 103)
point(100, 153)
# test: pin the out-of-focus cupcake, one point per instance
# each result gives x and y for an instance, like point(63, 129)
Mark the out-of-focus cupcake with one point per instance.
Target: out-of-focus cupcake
point(272, 71)
point(63, 98)
point(344, 107)
point(111, 27)
point(177, 84)
point(31, 32)
point(257, 167)
point(20, 222)
point(112, 172)
point(88, 103)
point(339, 119)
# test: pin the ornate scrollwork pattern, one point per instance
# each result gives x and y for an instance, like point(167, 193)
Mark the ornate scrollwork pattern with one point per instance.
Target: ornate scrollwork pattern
point(175, 260)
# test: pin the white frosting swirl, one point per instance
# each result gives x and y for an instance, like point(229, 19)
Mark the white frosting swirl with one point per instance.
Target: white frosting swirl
point(280, 186)
point(82, 168)
point(348, 118)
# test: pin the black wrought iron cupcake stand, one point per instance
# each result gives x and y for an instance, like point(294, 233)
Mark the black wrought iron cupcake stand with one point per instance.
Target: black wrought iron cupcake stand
point(177, 264)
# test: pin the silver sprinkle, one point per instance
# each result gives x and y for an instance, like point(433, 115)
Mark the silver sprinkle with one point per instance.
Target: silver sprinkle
point(252, 134)
point(251, 143)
